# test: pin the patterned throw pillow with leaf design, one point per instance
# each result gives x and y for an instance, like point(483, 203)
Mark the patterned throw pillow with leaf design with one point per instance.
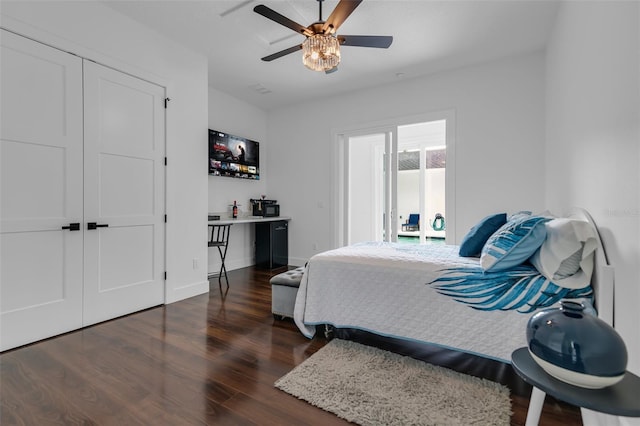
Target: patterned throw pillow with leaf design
point(513, 243)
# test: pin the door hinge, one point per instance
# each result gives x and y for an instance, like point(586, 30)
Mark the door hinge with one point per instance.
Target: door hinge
point(165, 218)
point(165, 275)
point(166, 101)
point(165, 161)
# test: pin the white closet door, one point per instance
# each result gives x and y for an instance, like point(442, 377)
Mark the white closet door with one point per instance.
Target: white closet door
point(41, 191)
point(124, 193)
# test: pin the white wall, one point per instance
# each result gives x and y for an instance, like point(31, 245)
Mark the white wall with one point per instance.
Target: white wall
point(592, 160)
point(96, 32)
point(239, 118)
point(499, 114)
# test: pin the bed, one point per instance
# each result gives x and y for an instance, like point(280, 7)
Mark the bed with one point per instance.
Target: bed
point(387, 291)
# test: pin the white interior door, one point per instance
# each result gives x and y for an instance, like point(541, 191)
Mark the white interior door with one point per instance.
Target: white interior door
point(41, 191)
point(124, 193)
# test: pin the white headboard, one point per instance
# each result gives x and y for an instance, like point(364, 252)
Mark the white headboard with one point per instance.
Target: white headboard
point(602, 279)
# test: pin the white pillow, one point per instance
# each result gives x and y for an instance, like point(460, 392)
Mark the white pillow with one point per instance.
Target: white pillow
point(566, 257)
point(570, 265)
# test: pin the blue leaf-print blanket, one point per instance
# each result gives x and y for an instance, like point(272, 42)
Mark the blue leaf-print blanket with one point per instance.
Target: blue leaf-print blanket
point(521, 288)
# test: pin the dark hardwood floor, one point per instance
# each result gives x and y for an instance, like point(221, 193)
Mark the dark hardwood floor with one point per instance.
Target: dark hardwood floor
point(210, 359)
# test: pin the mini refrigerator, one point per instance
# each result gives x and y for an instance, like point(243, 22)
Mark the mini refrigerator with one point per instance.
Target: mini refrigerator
point(272, 244)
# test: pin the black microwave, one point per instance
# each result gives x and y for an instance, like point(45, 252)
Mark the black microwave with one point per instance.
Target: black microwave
point(265, 208)
point(271, 210)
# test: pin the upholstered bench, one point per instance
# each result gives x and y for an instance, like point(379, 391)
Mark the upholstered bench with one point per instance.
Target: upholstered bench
point(284, 288)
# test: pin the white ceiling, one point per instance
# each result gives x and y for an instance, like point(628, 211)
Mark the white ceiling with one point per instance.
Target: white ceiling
point(428, 36)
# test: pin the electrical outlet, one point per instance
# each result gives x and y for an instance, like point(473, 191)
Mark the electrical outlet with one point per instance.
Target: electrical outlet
point(196, 263)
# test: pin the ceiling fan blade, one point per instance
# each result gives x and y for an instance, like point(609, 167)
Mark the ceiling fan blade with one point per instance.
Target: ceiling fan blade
point(280, 19)
point(282, 53)
point(340, 14)
point(365, 41)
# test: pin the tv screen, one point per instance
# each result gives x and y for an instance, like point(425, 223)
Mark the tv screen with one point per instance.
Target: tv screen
point(233, 156)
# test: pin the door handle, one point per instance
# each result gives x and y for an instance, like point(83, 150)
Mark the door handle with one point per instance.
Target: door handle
point(93, 225)
point(72, 227)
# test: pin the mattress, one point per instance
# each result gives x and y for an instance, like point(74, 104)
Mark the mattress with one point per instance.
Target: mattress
point(383, 288)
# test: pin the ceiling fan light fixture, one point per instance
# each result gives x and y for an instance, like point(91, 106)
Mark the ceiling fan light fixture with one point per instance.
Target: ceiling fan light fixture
point(321, 52)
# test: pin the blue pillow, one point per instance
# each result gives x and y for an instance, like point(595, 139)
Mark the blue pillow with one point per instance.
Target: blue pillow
point(513, 243)
point(475, 239)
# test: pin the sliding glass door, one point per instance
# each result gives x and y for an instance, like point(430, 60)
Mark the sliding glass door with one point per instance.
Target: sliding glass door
point(421, 182)
point(368, 182)
point(394, 183)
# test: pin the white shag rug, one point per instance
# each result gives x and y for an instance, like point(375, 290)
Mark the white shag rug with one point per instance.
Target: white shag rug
point(370, 386)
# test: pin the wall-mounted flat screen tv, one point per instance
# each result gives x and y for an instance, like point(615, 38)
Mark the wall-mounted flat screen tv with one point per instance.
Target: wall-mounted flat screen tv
point(233, 156)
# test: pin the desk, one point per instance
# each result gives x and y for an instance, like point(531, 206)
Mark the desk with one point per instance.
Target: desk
point(248, 219)
point(271, 250)
point(620, 399)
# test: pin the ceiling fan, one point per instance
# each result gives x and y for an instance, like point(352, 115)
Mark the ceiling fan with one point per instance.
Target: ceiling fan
point(321, 49)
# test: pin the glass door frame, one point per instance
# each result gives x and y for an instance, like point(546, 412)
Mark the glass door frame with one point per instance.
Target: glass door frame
point(390, 129)
point(413, 146)
point(390, 181)
point(344, 200)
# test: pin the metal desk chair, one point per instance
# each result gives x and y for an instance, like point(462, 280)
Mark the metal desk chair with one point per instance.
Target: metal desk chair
point(219, 237)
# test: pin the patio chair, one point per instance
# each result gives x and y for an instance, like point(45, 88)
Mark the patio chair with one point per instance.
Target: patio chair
point(413, 223)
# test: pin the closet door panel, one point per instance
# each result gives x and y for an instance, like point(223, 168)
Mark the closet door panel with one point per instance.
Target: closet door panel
point(40, 171)
point(124, 189)
point(125, 257)
point(118, 196)
point(41, 189)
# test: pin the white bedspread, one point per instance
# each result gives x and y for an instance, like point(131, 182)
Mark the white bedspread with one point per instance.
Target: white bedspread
point(382, 287)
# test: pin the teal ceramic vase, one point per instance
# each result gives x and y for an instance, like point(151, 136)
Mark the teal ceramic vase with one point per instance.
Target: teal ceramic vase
point(576, 347)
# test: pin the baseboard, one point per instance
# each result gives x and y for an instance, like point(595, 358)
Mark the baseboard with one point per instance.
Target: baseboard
point(186, 291)
point(232, 265)
point(296, 261)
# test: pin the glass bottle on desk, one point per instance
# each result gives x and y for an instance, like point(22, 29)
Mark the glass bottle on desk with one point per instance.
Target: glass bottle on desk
point(235, 210)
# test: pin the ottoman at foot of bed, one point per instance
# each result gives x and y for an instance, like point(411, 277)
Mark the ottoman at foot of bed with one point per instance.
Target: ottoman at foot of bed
point(284, 289)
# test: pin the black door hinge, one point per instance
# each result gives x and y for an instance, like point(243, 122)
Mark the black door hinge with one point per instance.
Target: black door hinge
point(166, 101)
point(165, 161)
point(165, 275)
point(165, 218)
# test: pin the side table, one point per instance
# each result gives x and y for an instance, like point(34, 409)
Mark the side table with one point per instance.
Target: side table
point(620, 399)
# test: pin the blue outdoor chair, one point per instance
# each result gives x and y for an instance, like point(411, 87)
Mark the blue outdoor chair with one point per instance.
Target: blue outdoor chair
point(413, 223)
